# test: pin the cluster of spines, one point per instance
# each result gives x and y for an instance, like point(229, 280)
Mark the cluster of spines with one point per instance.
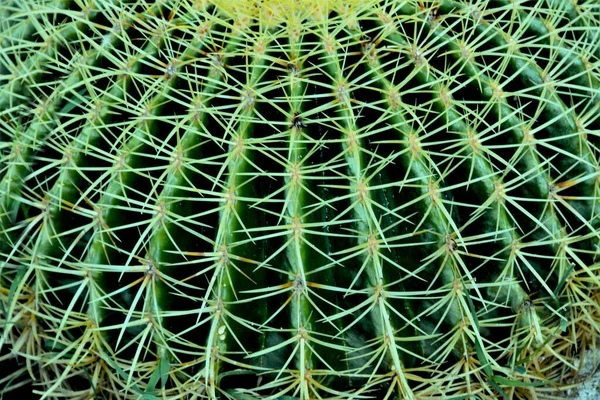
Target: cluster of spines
point(41, 256)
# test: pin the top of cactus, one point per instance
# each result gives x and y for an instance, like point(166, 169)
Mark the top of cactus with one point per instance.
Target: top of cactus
point(276, 12)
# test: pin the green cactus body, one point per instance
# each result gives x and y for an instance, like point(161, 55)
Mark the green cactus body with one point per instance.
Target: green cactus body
point(298, 200)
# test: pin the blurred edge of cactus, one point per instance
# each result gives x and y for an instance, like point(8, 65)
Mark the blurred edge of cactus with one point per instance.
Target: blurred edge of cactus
point(298, 199)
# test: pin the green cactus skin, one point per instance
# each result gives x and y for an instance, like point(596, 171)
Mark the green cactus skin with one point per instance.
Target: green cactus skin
point(298, 199)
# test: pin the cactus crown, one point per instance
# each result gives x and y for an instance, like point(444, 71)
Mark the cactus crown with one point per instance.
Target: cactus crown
point(298, 199)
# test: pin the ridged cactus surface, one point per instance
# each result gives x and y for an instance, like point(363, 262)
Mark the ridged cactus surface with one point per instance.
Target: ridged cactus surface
point(298, 199)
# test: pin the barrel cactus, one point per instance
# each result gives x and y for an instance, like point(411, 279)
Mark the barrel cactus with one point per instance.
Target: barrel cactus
point(298, 199)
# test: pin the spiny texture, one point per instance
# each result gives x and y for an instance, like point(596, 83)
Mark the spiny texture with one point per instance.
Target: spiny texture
point(356, 199)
